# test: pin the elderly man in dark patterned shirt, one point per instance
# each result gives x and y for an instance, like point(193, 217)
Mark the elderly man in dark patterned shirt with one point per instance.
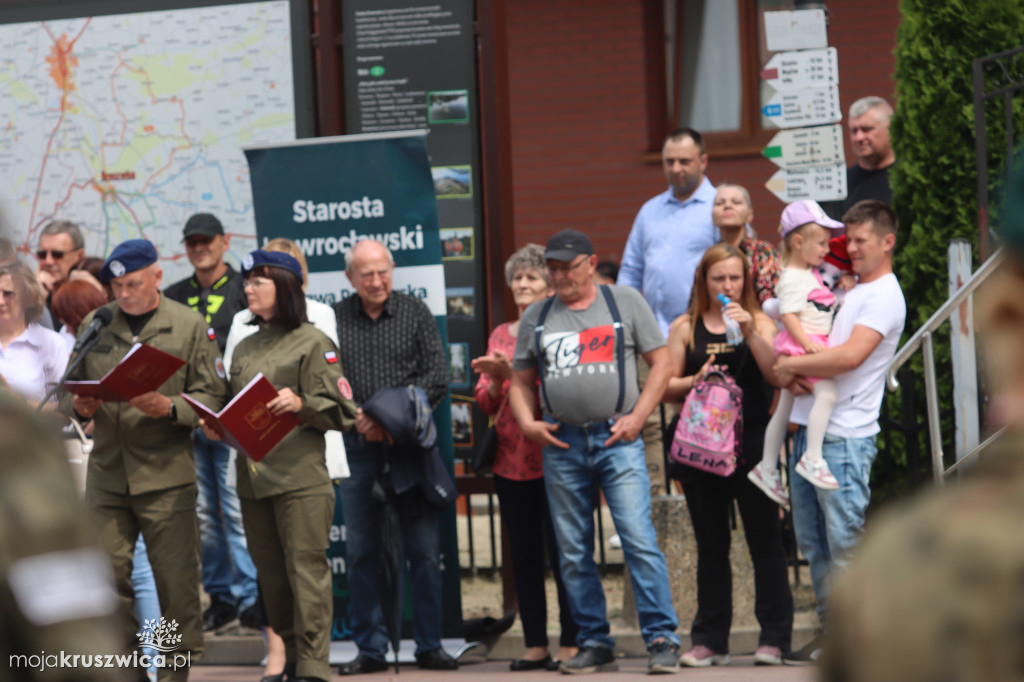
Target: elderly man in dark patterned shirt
point(387, 339)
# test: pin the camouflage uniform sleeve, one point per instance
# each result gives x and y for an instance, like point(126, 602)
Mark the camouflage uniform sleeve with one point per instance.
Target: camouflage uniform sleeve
point(326, 394)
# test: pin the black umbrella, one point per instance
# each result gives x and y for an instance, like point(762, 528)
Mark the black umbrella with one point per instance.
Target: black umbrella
point(390, 555)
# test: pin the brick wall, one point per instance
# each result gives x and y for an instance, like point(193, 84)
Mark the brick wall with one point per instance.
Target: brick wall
point(579, 90)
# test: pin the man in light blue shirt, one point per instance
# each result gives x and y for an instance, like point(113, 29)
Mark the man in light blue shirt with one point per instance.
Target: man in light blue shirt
point(672, 231)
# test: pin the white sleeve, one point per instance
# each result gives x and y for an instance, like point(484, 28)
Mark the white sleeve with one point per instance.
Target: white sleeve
point(884, 311)
point(323, 318)
point(792, 291)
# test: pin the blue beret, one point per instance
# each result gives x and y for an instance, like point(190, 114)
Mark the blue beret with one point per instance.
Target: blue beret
point(128, 256)
point(274, 259)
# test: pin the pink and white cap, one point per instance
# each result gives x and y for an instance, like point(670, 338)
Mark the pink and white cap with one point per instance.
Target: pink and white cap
point(806, 211)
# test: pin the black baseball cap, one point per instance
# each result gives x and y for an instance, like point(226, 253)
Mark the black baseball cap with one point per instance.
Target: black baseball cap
point(568, 244)
point(204, 225)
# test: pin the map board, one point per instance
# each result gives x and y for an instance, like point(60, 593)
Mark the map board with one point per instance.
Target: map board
point(128, 122)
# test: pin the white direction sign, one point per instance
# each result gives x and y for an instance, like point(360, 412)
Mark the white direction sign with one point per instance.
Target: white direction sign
point(805, 147)
point(822, 183)
point(795, 30)
point(805, 69)
point(806, 107)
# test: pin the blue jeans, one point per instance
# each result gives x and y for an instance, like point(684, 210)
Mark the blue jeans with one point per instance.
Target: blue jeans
point(147, 603)
point(828, 523)
point(572, 478)
point(228, 571)
point(421, 541)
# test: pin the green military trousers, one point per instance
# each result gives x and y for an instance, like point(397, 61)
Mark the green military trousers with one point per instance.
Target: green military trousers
point(288, 535)
point(167, 521)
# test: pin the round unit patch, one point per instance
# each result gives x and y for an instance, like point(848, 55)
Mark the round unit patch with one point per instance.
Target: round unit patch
point(117, 268)
point(345, 388)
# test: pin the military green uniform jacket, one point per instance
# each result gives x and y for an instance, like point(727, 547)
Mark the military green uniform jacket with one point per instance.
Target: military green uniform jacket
point(53, 594)
point(306, 361)
point(141, 454)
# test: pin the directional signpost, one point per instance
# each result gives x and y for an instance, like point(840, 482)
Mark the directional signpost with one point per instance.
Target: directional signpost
point(804, 107)
point(797, 30)
point(804, 78)
point(804, 69)
point(821, 183)
point(805, 147)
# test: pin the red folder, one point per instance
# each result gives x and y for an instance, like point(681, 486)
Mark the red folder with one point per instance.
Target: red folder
point(245, 423)
point(141, 370)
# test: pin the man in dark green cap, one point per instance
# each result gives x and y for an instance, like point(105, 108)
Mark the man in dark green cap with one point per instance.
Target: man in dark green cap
point(141, 477)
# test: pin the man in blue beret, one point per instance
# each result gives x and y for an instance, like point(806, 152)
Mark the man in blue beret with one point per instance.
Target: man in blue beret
point(141, 477)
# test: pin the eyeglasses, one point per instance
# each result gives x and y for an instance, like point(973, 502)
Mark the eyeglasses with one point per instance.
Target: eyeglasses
point(55, 254)
point(565, 269)
point(257, 282)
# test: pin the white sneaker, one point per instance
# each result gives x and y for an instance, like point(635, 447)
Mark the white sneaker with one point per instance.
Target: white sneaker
point(770, 484)
point(817, 473)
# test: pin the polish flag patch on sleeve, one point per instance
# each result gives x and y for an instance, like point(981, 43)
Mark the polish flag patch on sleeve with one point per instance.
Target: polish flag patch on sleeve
point(331, 357)
point(212, 335)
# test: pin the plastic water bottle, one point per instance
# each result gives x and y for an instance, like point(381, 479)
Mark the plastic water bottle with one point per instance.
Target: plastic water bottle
point(733, 334)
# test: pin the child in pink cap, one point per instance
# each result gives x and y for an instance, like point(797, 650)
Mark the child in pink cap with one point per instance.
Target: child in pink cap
point(806, 307)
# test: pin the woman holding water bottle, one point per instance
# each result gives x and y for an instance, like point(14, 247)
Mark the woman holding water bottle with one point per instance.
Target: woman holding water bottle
point(723, 297)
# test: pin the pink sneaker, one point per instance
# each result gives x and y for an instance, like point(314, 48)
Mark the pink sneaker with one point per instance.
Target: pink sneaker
point(770, 484)
point(701, 657)
point(768, 655)
point(818, 474)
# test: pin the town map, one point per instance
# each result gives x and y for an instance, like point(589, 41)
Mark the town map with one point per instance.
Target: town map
point(128, 124)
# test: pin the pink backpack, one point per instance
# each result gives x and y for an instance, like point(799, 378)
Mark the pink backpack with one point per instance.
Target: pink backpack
point(710, 429)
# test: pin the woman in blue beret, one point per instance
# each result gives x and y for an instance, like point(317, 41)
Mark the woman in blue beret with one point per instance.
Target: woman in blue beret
point(287, 497)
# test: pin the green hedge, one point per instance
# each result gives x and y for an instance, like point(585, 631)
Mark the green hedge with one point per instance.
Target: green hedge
point(935, 181)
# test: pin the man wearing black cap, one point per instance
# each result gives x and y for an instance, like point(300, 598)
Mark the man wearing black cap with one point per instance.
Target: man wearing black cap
point(141, 477)
point(583, 343)
point(215, 291)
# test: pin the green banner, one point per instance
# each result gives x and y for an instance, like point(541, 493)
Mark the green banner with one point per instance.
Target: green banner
point(326, 194)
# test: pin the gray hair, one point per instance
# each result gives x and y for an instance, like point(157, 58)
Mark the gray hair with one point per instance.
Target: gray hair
point(65, 227)
point(530, 257)
point(349, 256)
point(866, 104)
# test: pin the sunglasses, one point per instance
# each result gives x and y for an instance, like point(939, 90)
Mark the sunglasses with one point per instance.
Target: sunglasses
point(55, 254)
point(198, 241)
